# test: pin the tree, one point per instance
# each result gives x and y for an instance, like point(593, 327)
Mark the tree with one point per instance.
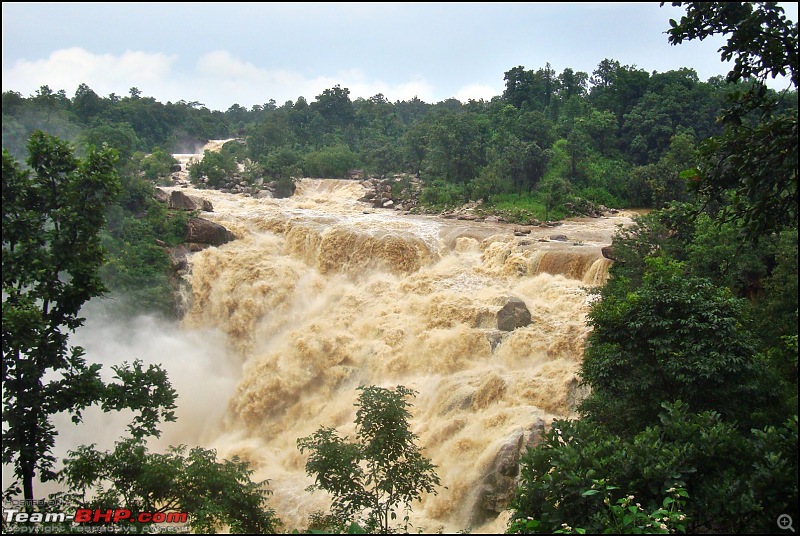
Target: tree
point(382, 470)
point(762, 42)
point(282, 166)
point(571, 83)
point(52, 216)
point(86, 104)
point(673, 337)
point(555, 191)
point(617, 88)
point(157, 165)
point(120, 136)
point(456, 146)
point(216, 495)
point(270, 134)
point(756, 158)
point(335, 106)
point(216, 166)
point(334, 162)
point(519, 86)
point(579, 470)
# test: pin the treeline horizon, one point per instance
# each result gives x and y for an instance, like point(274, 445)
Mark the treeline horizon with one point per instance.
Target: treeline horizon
point(619, 136)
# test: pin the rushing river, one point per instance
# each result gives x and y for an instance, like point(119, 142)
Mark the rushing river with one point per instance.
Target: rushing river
point(319, 294)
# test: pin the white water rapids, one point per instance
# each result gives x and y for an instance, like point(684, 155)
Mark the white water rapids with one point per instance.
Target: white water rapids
point(320, 293)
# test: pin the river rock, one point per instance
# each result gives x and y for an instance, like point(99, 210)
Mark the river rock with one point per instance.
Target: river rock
point(202, 231)
point(514, 314)
point(500, 480)
point(181, 201)
point(179, 257)
point(160, 195)
point(609, 253)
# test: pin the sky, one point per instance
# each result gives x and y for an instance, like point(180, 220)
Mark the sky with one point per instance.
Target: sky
point(221, 54)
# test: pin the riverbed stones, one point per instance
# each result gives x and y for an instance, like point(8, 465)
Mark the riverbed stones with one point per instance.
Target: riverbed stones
point(181, 201)
point(202, 231)
point(514, 314)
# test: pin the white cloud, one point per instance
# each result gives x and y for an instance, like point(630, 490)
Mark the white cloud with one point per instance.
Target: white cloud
point(105, 73)
point(217, 79)
point(225, 77)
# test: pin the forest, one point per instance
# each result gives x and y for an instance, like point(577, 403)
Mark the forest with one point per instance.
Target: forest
point(691, 422)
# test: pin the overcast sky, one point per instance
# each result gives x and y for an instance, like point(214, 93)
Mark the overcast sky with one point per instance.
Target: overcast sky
point(220, 54)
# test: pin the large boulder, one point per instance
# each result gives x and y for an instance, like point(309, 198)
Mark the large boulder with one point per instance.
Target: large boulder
point(499, 483)
point(179, 257)
point(609, 253)
point(501, 476)
point(160, 195)
point(202, 231)
point(514, 314)
point(181, 201)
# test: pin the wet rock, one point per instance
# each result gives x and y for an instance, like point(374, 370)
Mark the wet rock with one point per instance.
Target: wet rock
point(195, 247)
point(609, 253)
point(495, 338)
point(179, 257)
point(202, 231)
point(514, 314)
point(499, 483)
point(160, 195)
point(576, 393)
point(181, 201)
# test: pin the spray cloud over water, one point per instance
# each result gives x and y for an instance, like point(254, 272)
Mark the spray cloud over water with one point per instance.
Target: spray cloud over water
point(196, 365)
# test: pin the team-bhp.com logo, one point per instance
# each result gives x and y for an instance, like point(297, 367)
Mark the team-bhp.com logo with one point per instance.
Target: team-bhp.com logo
point(52, 517)
point(85, 515)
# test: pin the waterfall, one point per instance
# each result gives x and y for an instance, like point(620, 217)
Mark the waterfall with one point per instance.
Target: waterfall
point(320, 293)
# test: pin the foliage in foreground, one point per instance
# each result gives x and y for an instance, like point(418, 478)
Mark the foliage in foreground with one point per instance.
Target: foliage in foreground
point(379, 472)
point(699, 317)
point(756, 157)
point(216, 495)
point(735, 481)
point(672, 337)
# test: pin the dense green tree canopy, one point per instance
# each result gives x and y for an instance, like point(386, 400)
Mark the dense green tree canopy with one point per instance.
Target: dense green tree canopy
point(752, 168)
point(217, 495)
